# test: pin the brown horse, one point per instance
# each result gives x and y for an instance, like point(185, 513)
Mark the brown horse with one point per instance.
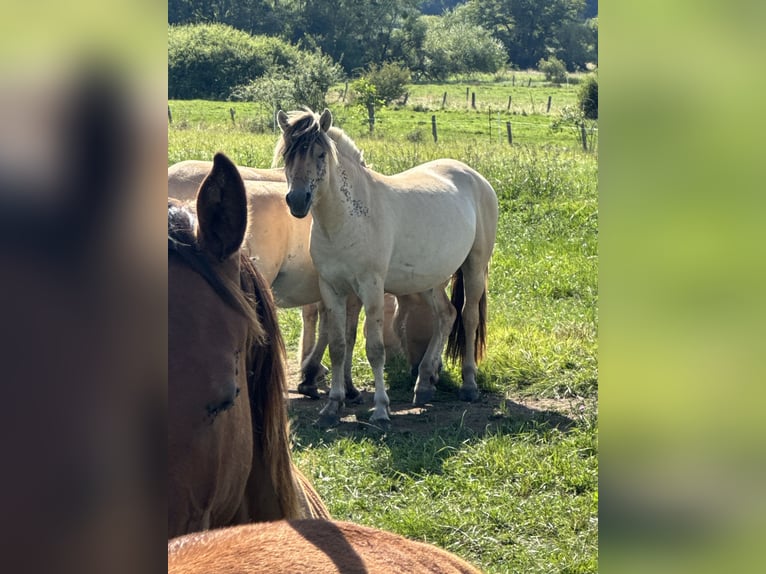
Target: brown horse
point(228, 446)
point(308, 547)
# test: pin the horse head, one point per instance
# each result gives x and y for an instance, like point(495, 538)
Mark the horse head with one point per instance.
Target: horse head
point(304, 146)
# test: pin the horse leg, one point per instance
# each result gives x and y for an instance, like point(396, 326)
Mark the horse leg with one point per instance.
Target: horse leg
point(312, 350)
point(443, 316)
point(371, 293)
point(353, 307)
point(335, 312)
point(475, 288)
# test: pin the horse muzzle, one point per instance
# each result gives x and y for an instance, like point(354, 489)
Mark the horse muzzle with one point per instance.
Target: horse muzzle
point(299, 203)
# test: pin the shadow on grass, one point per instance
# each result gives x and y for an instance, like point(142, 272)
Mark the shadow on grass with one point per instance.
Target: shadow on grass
point(420, 439)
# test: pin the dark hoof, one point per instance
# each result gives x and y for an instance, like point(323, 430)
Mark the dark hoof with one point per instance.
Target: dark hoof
point(354, 397)
point(308, 390)
point(328, 421)
point(469, 395)
point(422, 397)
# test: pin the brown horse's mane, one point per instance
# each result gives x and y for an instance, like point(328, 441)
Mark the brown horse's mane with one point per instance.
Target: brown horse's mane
point(266, 378)
point(303, 129)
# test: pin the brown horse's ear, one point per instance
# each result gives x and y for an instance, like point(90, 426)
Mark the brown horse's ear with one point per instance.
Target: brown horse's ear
point(325, 120)
point(222, 209)
point(282, 120)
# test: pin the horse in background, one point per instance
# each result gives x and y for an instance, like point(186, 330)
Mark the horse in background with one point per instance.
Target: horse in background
point(402, 234)
point(308, 547)
point(228, 432)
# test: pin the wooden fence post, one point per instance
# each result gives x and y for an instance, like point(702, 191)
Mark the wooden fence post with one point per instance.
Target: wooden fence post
point(345, 91)
point(233, 113)
point(170, 116)
point(371, 116)
point(406, 97)
point(548, 109)
point(433, 128)
point(513, 80)
point(584, 136)
point(509, 103)
point(466, 96)
point(489, 121)
point(473, 100)
point(529, 83)
point(510, 135)
point(444, 100)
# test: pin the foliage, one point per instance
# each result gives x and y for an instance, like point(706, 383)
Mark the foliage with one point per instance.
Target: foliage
point(531, 29)
point(366, 93)
point(353, 33)
point(587, 98)
point(251, 16)
point(390, 81)
point(452, 45)
point(209, 60)
point(554, 70)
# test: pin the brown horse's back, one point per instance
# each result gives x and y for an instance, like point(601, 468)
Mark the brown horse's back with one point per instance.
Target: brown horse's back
point(308, 546)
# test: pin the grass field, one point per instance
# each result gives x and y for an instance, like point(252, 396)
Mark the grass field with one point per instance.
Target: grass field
point(509, 483)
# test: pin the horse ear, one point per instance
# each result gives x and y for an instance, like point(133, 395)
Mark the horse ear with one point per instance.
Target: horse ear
point(222, 209)
point(282, 120)
point(325, 120)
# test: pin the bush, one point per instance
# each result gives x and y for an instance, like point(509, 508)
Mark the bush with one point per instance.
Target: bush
point(304, 83)
point(209, 60)
point(587, 98)
point(554, 69)
point(455, 46)
point(390, 80)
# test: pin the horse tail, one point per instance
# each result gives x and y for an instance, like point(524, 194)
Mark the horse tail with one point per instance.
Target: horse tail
point(480, 346)
point(456, 342)
point(267, 387)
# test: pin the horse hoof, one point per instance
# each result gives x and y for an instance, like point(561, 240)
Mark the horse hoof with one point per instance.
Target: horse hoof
point(469, 395)
point(328, 421)
point(354, 397)
point(308, 390)
point(422, 397)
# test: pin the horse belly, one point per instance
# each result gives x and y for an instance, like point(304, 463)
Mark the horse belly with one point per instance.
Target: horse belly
point(417, 264)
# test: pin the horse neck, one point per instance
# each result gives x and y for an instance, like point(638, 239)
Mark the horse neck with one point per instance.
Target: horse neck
point(343, 191)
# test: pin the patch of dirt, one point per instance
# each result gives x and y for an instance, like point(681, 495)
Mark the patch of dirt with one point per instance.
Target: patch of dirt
point(489, 413)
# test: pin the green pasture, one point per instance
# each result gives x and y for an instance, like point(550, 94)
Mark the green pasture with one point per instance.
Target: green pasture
point(517, 494)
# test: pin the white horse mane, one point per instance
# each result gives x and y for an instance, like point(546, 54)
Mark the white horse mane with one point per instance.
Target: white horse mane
point(345, 146)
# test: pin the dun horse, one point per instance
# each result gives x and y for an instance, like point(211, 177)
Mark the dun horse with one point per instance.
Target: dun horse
point(308, 547)
point(402, 234)
point(228, 445)
point(279, 246)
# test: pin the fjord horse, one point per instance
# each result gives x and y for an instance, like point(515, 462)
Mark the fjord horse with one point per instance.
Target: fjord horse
point(402, 234)
point(278, 243)
point(228, 443)
point(308, 547)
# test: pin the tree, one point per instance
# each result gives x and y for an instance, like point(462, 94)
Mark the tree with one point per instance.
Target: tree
point(354, 33)
point(529, 29)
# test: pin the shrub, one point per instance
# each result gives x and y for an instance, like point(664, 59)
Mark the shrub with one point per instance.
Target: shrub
point(209, 60)
point(305, 83)
point(554, 69)
point(587, 98)
point(390, 80)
